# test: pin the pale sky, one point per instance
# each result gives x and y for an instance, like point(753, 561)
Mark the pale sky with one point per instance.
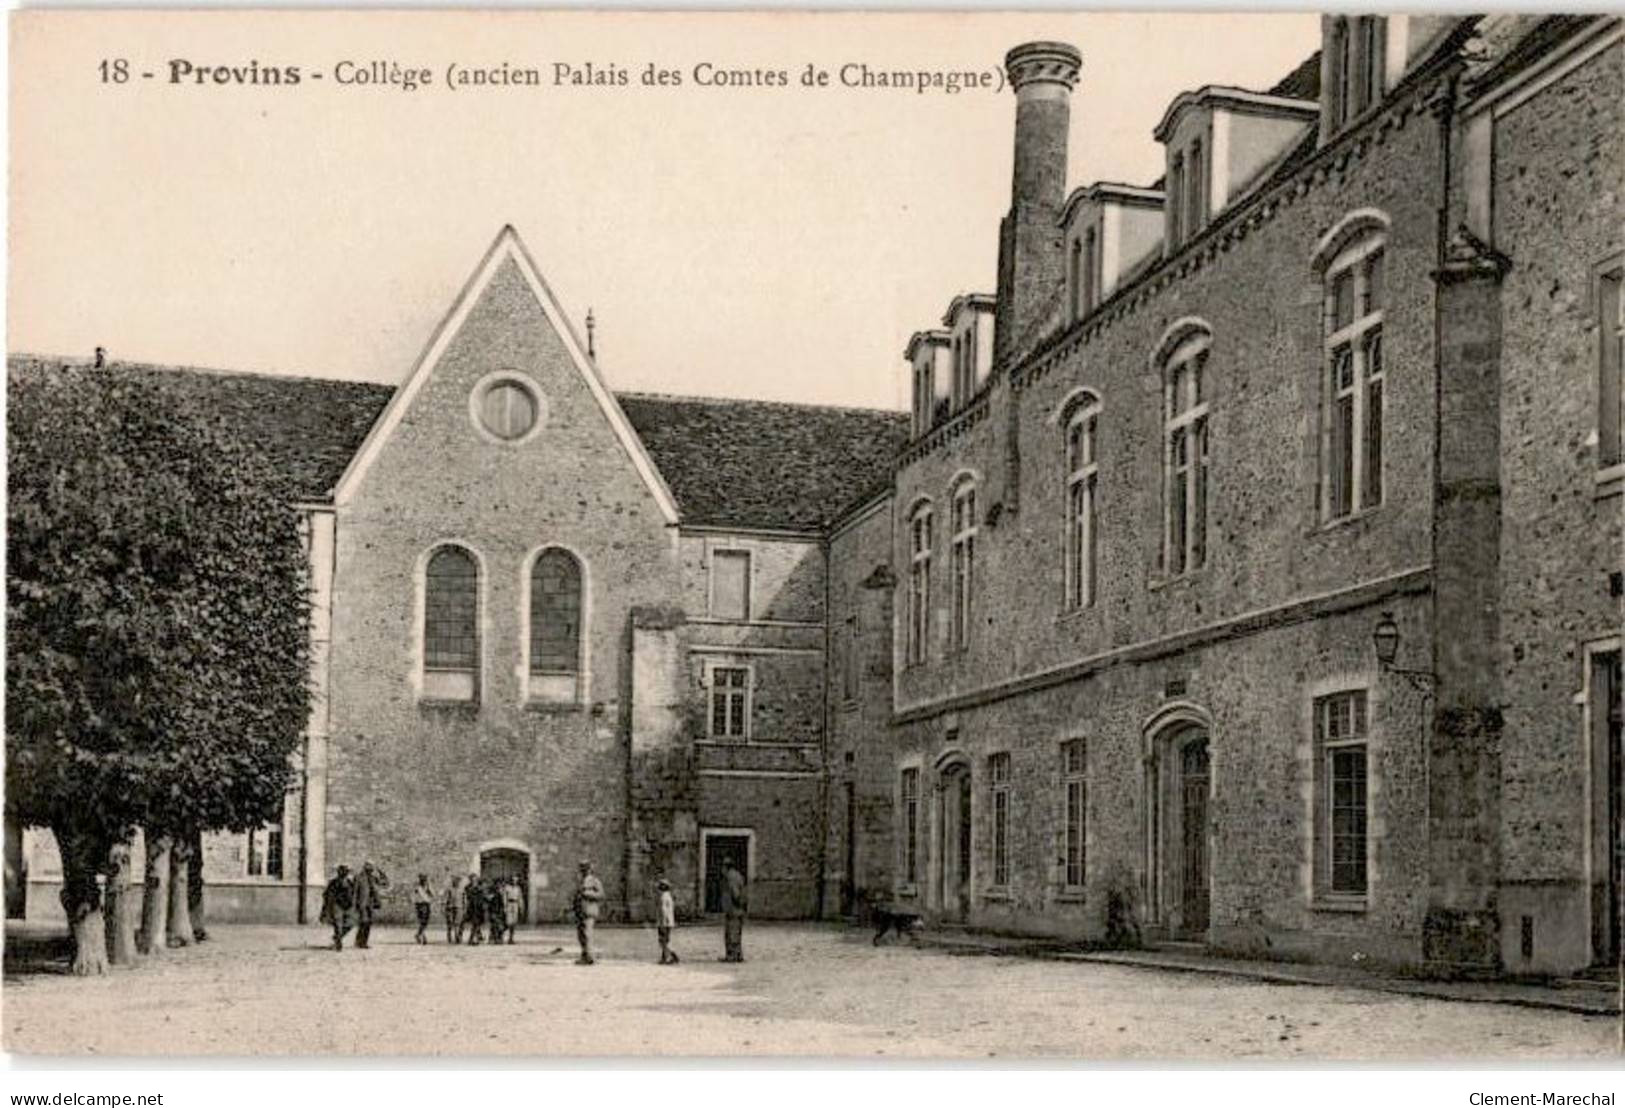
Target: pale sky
point(778, 243)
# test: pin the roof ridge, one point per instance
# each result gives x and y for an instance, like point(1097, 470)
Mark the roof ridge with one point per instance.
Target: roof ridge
point(684, 398)
point(217, 371)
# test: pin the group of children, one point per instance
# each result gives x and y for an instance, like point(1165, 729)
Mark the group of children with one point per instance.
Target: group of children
point(473, 905)
point(480, 905)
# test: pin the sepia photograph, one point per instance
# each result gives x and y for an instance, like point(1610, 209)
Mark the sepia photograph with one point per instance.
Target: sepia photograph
point(851, 537)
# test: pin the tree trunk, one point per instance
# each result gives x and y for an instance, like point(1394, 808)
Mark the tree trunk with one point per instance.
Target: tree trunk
point(82, 858)
point(194, 889)
point(180, 904)
point(121, 907)
point(155, 906)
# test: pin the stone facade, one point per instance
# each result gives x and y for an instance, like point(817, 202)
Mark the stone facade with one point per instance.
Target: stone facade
point(1125, 684)
point(1199, 695)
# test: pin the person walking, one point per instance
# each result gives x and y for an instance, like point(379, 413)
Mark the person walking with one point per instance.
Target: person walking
point(368, 886)
point(665, 920)
point(338, 905)
point(511, 900)
point(474, 910)
point(589, 894)
point(734, 904)
point(453, 907)
point(423, 905)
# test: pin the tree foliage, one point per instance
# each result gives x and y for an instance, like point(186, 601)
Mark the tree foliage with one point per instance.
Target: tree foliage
point(157, 602)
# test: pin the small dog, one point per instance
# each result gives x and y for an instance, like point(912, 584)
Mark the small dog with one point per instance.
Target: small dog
point(904, 923)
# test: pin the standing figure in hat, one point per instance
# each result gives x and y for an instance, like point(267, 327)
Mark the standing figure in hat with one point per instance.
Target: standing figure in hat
point(338, 905)
point(665, 920)
point(589, 893)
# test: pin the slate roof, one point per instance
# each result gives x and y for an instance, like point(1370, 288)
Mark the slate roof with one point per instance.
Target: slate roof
point(741, 463)
point(307, 427)
point(752, 462)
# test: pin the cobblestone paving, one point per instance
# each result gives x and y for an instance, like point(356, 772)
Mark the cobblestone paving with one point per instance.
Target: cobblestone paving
point(805, 990)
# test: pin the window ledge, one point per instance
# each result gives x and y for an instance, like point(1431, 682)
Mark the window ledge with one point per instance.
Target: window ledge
point(1159, 582)
point(997, 894)
point(1610, 481)
point(553, 707)
point(439, 704)
point(1071, 896)
point(1354, 518)
point(1329, 903)
point(908, 890)
point(1074, 615)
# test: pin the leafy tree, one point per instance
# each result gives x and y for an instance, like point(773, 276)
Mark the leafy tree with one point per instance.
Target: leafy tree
point(158, 614)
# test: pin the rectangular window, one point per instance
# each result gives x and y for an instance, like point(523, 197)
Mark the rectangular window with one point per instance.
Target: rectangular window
point(919, 585)
point(911, 825)
point(1186, 459)
point(1195, 207)
point(1075, 280)
point(1611, 357)
point(730, 584)
point(964, 563)
point(1088, 271)
point(265, 850)
point(1082, 512)
point(730, 702)
point(1354, 383)
point(1342, 824)
point(1175, 189)
point(1074, 782)
point(849, 659)
point(1371, 485)
point(999, 774)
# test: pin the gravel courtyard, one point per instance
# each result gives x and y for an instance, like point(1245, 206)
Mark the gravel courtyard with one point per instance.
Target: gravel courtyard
point(805, 991)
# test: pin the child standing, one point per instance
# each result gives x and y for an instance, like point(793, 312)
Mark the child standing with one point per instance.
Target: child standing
point(665, 920)
point(423, 904)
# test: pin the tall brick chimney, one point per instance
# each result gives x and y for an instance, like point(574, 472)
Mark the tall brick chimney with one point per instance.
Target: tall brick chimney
point(1030, 254)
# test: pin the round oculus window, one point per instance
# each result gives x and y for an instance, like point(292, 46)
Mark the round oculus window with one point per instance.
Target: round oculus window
point(507, 409)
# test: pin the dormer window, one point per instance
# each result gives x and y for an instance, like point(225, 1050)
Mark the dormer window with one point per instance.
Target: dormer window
point(1195, 208)
point(1355, 66)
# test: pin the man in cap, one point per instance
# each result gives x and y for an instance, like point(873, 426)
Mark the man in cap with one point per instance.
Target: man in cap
point(589, 893)
point(338, 905)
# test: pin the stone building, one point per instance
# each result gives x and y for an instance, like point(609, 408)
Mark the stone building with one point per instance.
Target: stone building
point(1346, 380)
point(550, 623)
point(1247, 570)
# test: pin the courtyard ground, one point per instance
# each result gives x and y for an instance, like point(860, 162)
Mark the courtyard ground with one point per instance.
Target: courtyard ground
point(805, 990)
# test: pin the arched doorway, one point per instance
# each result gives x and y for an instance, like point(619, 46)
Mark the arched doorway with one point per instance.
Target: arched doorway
point(954, 798)
point(502, 862)
point(1179, 862)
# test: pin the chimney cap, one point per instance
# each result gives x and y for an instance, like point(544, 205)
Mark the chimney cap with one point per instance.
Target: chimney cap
point(1052, 62)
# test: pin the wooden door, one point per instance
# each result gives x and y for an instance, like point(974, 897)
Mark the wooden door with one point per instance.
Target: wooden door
point(1194, 784)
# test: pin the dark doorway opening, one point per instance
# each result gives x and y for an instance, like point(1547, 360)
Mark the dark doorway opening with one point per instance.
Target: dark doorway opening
point(1608, 812)
point(720, 850)
point(505, 862)
point(849, 880)
point(1194, 779)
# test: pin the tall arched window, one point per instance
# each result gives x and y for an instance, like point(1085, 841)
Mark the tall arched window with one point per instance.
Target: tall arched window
point(451, 635)
point(1351, 416)
point(919, 583)
point(1081, 540)
point(1186, 445)
point(555, 626)
point(964, 559)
